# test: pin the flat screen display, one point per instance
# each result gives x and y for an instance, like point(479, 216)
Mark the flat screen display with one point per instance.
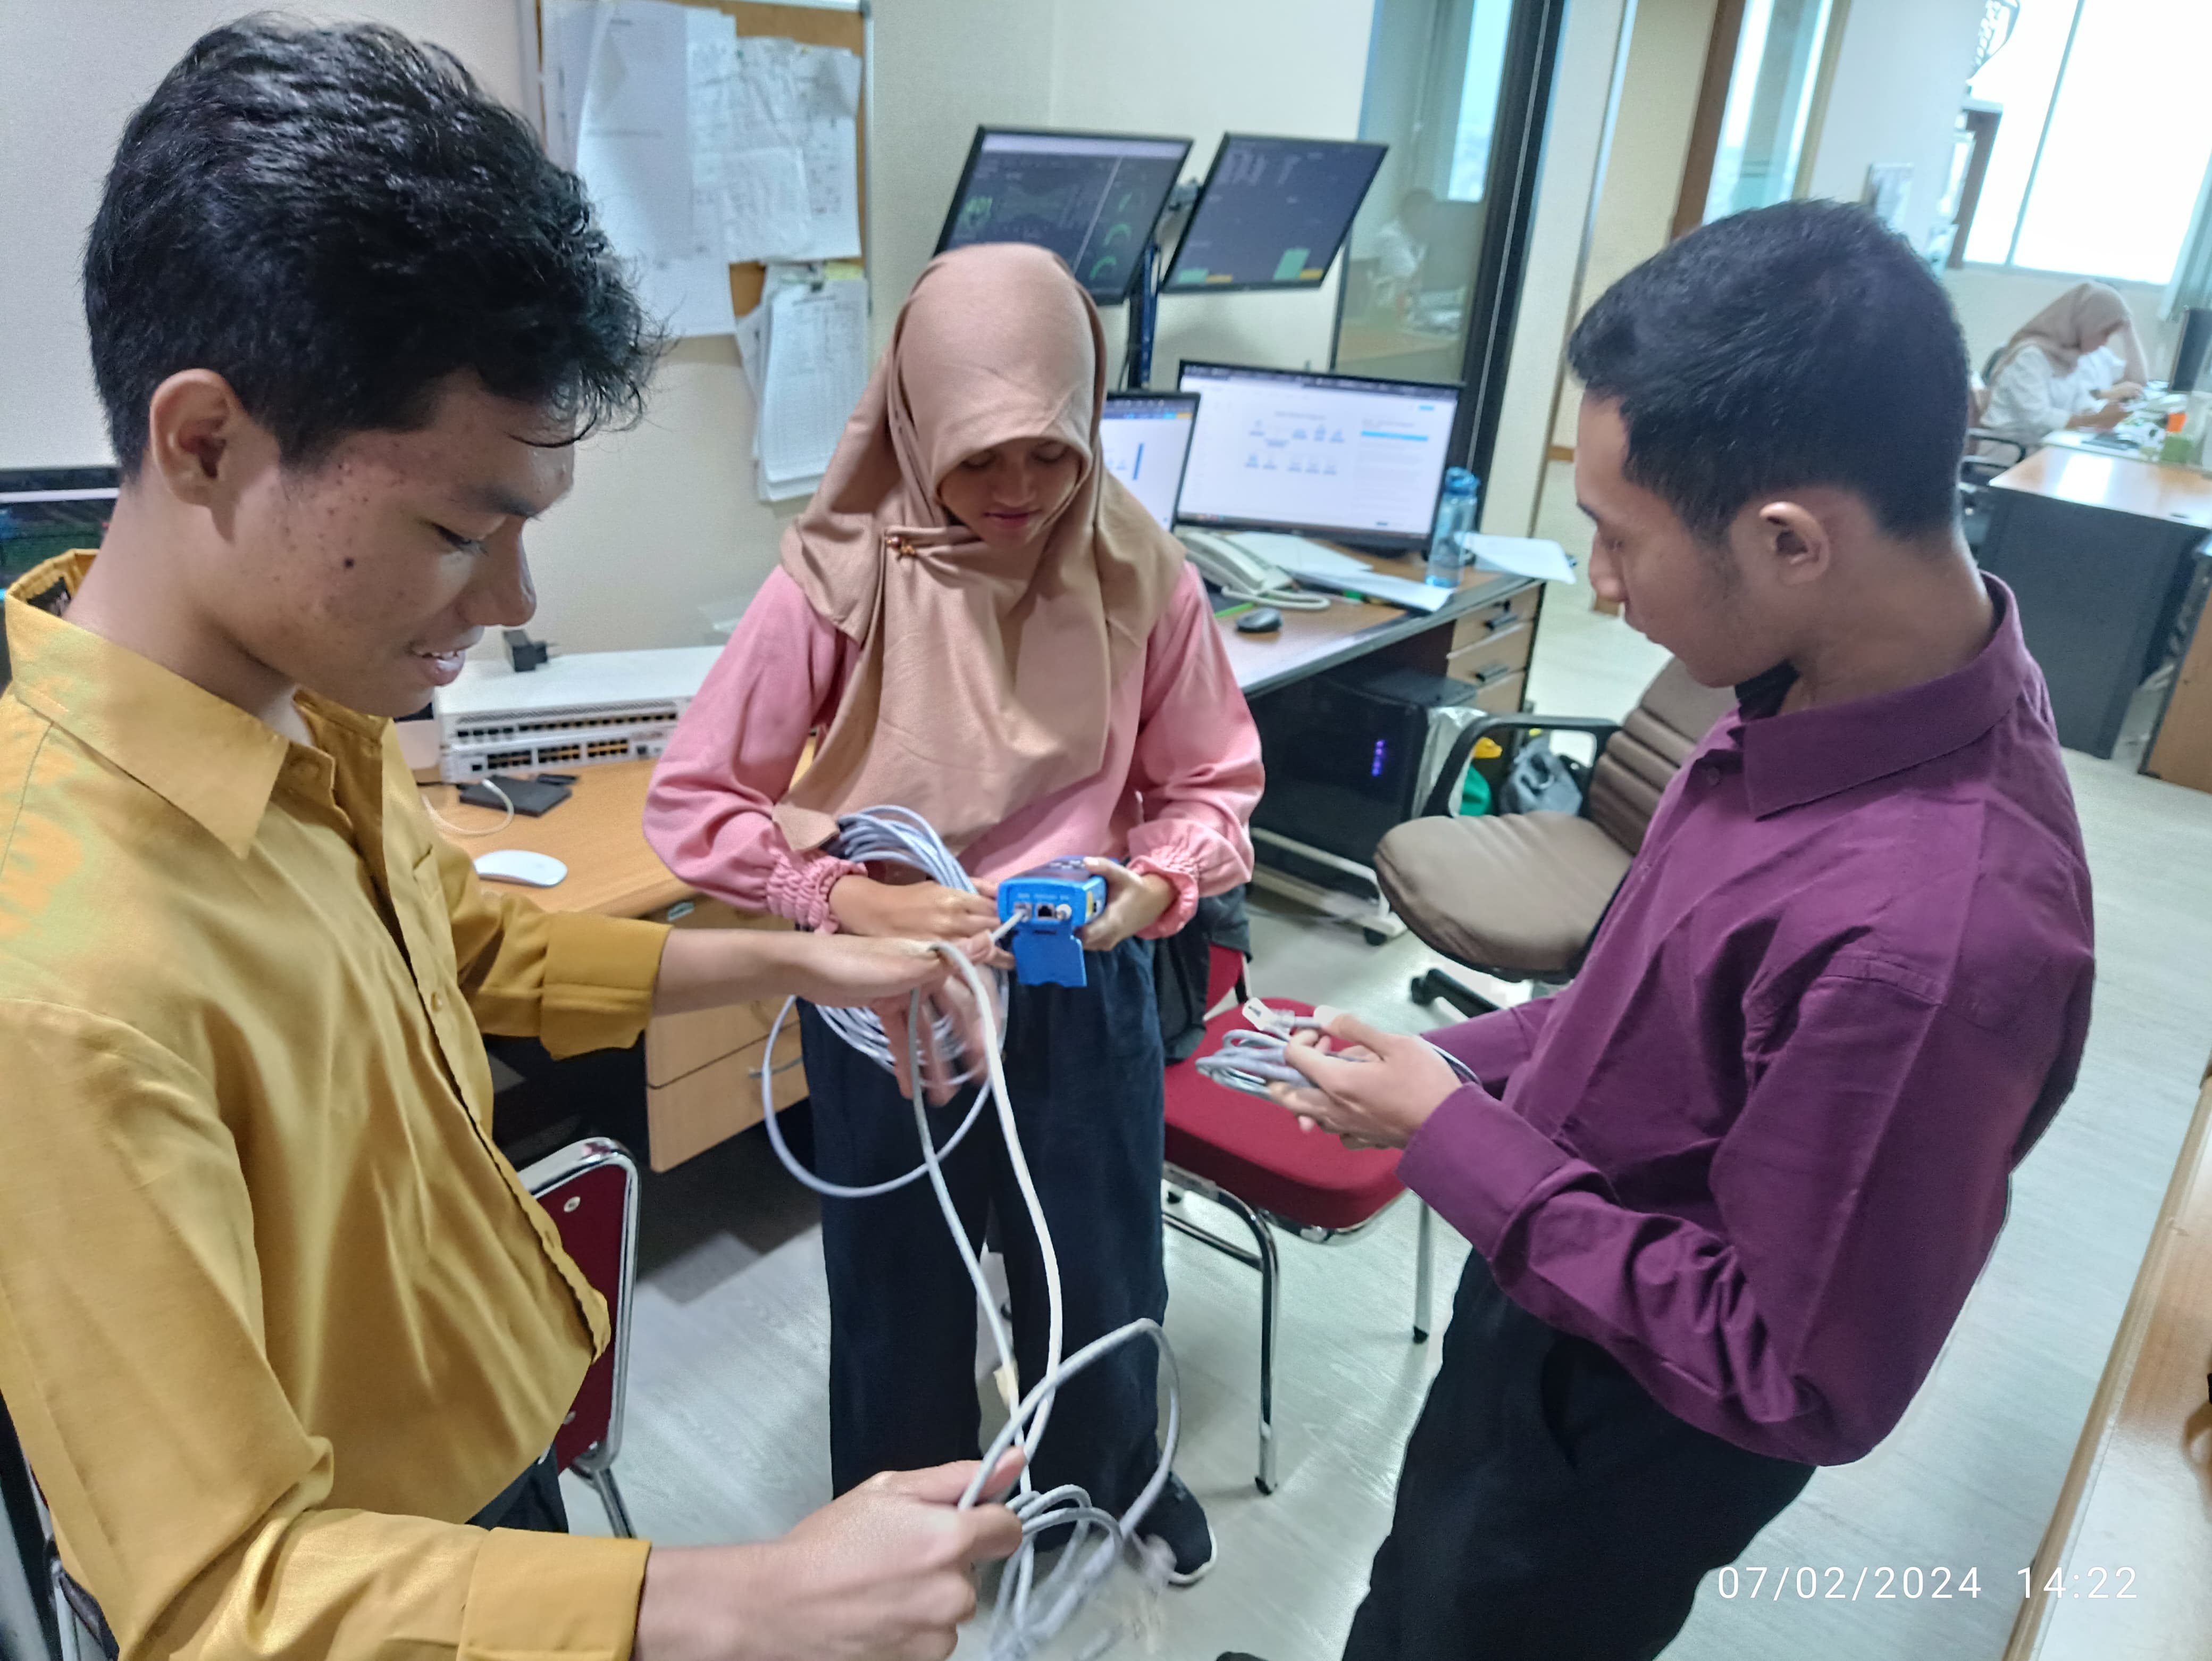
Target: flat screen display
point(1146, 438)
point(1320, 455)
point(1092, 198)
point(1273, 213)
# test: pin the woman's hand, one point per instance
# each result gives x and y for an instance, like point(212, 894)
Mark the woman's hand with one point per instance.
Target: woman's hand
point(2124, 392)
point(913, 910)
point(2102, 419)
point(1134, 903)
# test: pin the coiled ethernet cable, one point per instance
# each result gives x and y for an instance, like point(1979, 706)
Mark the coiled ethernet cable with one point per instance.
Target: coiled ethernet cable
point(1029, 1614)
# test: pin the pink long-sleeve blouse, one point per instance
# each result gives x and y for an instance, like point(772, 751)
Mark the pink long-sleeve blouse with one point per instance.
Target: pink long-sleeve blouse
point(1175, 796)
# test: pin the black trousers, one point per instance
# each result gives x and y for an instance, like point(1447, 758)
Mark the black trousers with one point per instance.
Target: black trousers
point(1086, 1071)
point(1549, 1509)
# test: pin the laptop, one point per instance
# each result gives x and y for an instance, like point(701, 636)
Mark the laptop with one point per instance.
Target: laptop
point(1145, 439)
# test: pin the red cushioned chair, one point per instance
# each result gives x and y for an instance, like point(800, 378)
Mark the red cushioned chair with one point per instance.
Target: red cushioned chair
point(1250, 1157)
point(590, 1190)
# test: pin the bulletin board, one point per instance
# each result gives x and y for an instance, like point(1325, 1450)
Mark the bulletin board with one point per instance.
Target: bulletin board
point(810, 26)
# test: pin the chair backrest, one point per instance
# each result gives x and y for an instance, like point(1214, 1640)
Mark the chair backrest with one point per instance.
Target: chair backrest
point(1669, 721)
point(590, 1190)
point(28, 1630)
point(1224, 973)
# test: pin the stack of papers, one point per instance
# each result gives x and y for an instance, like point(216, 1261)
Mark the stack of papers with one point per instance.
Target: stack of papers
point(699, 149)
point(805, 351)
point(1525, 556)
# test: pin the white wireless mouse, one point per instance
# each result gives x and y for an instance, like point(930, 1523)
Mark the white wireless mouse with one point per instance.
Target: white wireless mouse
point(519, 865)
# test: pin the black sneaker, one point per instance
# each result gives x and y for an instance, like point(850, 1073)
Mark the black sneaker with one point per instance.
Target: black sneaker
point(1178, 1522)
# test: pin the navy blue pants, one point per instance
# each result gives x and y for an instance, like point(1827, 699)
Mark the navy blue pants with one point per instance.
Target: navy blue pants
point(1549, 1509)
point(1086, 1074)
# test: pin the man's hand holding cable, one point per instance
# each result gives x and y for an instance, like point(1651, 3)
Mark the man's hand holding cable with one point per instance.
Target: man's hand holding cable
point(1134, 903)
point(1379, 1102)
point(708, 968)
point(884, 1573)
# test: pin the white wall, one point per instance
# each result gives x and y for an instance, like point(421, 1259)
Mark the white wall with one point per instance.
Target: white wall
point(70, 73)
point(1901, 75)
point(1588, 48)
point(1644, 166)
point(664, 519)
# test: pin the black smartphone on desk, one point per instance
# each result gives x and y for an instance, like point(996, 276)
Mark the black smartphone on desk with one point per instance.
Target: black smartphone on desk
point(532, 798)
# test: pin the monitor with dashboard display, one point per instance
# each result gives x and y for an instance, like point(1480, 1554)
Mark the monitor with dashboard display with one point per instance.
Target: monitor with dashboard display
point(1345, 457)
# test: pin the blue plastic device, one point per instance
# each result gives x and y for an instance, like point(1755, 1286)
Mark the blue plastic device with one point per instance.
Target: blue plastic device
point(1047, 904)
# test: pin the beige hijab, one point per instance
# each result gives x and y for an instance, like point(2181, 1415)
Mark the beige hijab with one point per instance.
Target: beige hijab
point(984, 679)
point(2064, 329)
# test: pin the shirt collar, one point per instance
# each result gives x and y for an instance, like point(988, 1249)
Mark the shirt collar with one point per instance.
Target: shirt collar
point(1790, 760)
point(206, 757)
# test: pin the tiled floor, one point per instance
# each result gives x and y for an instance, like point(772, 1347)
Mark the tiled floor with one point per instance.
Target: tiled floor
point(727, 1423)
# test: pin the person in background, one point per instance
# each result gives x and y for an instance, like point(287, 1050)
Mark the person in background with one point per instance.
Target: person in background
point(284, 1340)
point(1728, 1190)
point(1401, 247)
point(986, 629)
point(2075, 363)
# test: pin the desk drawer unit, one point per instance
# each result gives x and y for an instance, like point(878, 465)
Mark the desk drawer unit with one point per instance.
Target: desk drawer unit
point(1490, 648)
point(703, 1069)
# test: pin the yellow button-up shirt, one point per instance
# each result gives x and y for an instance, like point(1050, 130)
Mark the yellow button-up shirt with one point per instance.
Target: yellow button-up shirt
point(276, 1317)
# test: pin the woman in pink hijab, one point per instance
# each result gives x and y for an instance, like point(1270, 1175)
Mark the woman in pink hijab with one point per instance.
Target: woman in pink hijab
point(986, 627)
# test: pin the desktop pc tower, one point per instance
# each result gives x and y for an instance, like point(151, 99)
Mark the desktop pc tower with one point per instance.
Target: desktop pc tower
point(1351, 753)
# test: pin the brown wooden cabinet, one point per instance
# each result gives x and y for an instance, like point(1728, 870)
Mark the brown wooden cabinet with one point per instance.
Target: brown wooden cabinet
point(702, 1070)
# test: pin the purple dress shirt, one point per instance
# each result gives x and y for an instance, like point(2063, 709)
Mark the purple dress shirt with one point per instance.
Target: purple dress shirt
point(1758, 1149)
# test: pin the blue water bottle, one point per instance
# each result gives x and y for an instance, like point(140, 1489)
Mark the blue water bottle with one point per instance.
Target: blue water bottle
point(1454, 517)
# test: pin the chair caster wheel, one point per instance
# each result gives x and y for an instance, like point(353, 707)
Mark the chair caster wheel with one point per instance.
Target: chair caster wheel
point(1421, 992)
point(1260, 1483)
point(1374, 937)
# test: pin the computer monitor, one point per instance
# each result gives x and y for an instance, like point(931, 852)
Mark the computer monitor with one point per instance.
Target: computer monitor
point(1273, 214)
point(1145, 441)
point(1092, 198)
point(1343, 456)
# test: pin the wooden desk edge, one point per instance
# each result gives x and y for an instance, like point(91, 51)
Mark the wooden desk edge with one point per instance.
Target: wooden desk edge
point(2102, 1426)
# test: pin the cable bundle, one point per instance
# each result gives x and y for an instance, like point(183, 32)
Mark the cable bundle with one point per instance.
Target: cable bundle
point(899, 836)
point(1030, 1614)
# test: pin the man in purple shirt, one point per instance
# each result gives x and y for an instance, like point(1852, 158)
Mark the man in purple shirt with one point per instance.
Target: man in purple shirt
point(1728, 1191)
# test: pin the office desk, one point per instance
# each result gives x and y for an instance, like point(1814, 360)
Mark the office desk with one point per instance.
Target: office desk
point(2136, 1496)
point(2099, 549)
point(701, 1070)
point(1490, 610)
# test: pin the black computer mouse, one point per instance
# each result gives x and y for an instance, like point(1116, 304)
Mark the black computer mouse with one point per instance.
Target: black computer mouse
point(1260, 620)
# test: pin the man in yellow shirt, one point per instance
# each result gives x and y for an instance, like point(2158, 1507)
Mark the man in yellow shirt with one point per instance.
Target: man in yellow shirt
point(277, 1320)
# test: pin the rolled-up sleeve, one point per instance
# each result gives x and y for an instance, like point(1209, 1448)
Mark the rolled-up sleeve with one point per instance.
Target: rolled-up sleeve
point(188, 1498)
point(1196, 762)
point(1857, 1196)
point(572, 981)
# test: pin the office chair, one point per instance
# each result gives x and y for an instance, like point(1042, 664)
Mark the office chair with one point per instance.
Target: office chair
point(1976, 473)
point(1518, 895)
point(1250, 1158)
point(589, 1188)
